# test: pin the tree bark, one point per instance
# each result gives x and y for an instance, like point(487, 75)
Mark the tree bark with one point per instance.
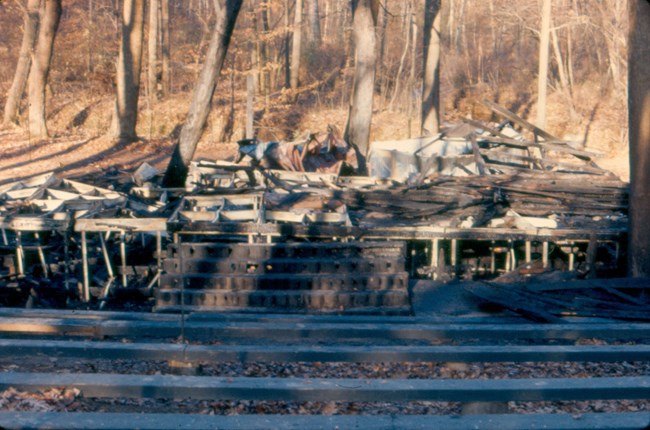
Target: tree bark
point(357, 130)
point(152, 50)
point(430, 113)
point(50, 15)
point(227, 11)
point(297, 47)
point(542, 76)
point(129, 65)
point(314, 24)
point(165, 48)
point(19, 83)
point(639, 124)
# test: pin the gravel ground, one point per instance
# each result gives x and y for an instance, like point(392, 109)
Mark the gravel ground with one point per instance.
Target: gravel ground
point(71, 399)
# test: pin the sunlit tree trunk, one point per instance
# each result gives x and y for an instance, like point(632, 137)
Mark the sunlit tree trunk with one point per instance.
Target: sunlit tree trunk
point(129, 65)
point(152, 50)
point(50, 15)
point(314, 23)
point(227, 11)
point(430, 115)
point(165, 48)
point(297, 46)
point(24, 63)
point(639, 124)
point(357, 130)
point(542, 76)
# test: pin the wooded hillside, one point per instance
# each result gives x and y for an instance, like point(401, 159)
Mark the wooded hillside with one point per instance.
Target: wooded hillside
point(490, 50)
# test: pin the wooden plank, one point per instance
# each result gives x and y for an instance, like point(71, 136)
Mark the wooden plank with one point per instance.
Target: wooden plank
point(519, 121)
point(121, 224)
point(175, 421)
point(333, 389)
point(316, 353)
point(25, 223)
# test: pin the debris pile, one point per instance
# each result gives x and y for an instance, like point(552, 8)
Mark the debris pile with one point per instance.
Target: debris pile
point(477, 183)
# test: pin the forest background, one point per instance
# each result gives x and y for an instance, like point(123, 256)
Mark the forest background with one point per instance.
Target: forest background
point(490, 50)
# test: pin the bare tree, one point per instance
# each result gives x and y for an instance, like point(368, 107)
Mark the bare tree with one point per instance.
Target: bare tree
point(129, 65)
point(314, 23)
point(357, 130)
point(297, 46)
point(542, 77)
point(152, 50)
point(50, 15)
point(227, 11)
point(24, 63)
point(165, 48)
point(639, 124)
point(430, 115)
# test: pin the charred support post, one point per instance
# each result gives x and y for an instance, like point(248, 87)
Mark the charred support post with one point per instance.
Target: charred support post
point(435, 250)
point(454, 253)
point(158, 256)
point(84, 264)
point(123, 257)
point(20, 254)
point(493, 254)
point(41, 255)
point(66, 251)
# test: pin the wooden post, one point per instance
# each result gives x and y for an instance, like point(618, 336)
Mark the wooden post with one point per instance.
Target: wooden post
point(572, 257)
point(545, 254)
point(454, 253)
point(528, 251)
point(435, 249)
point(41, 255)
point(123, 257)
point(20, 254)
point(107, 260)
point(84, 264)
point(158, 255)
point(493, 254)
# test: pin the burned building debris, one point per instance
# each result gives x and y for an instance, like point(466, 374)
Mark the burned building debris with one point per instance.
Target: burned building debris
point(477, 201)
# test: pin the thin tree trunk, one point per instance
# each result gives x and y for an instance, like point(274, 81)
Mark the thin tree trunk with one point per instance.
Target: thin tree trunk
point(383, 80)
point(430, 114)
point(314, 23)
point(409, 86)
point(287, 45)
point(227, 11)
point(357, 130)
point(296, 48)
point(91, 35)
point(50, 16)
point(129, 65)
point(19, 82)
point(639, 124)
point(564, 82)
point(152, 51)
point(542, 78)
point(400, 68)
point(165, 48)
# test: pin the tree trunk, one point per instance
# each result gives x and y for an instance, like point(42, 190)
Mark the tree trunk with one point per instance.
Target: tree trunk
point(129, 65)
point(152, 51)
point(639, 124)
point(542, 76)
point(165, 48)
point(297, 47)
point(314, 24)
point(17, 89)
point(430, 114)
point(50, 15)
point(227, 11)
point(357, 130)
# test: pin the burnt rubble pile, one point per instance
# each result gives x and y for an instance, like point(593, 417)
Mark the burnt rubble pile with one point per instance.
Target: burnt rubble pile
point(477, 200)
